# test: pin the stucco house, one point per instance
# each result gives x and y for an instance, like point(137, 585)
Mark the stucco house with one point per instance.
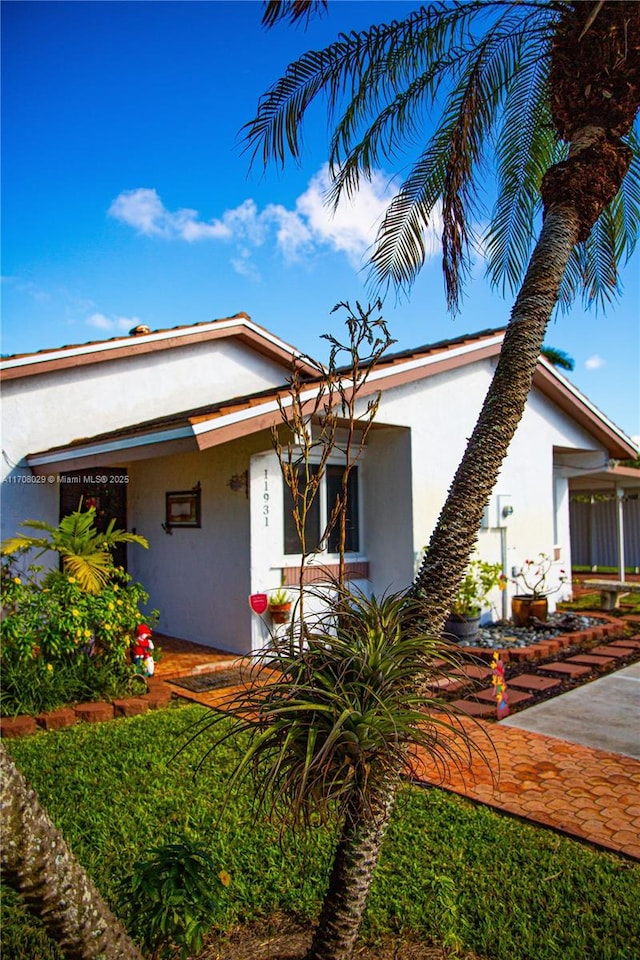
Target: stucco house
point(170, 431)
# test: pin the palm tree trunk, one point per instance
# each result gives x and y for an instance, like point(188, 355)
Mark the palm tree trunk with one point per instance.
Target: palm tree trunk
point(454, 536)
point(363, 831)
point(37, 860)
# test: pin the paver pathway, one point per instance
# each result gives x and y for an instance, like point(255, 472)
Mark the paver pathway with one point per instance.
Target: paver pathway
point(586, 793)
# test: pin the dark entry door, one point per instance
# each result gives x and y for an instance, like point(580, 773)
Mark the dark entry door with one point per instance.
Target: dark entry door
point(95, 488)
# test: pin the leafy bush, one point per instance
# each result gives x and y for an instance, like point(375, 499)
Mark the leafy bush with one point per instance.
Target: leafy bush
point(66, 637)
point(169, 898)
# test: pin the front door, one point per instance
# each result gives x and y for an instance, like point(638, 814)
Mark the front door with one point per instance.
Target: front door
point(97, 488)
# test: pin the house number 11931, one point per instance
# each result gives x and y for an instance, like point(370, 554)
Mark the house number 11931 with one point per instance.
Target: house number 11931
point(265, 498)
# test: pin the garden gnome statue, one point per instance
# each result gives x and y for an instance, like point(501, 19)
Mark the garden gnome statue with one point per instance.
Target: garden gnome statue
point(142, 652)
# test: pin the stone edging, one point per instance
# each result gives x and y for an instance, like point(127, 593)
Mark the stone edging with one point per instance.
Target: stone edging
point(547, 648)
point(158, 696)
point(159, 693)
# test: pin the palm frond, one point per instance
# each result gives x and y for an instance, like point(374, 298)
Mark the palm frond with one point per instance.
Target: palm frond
point(593, 271)
point(446, 168)
point(526, 146)
point(295, 11)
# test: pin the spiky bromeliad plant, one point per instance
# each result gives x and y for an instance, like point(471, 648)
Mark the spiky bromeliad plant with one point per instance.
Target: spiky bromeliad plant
point(333, 725)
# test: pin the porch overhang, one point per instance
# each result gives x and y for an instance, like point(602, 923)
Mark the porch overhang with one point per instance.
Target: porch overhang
point(606, 479)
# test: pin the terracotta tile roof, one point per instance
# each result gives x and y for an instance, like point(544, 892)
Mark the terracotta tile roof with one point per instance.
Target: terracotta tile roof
point(150, 341)
point(231, 418)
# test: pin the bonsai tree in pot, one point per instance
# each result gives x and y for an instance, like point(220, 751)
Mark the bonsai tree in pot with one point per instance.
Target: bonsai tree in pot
point(479, 580)
point(532, 602)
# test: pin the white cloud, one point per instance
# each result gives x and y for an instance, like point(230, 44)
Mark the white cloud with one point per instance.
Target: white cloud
point(296, 233)
point(594, 362)
point(112, 324)
point(143, 210)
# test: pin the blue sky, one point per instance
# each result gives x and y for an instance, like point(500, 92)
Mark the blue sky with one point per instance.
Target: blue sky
point(127, 197)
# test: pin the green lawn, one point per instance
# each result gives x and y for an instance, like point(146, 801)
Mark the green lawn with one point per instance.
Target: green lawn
point(506, 889)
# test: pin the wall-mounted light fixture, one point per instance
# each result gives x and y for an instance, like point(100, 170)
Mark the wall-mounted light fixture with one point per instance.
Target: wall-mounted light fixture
point(239, 482)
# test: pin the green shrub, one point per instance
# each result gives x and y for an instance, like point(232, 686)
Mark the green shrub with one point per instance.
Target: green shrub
point(169, 898)
point(65, 638)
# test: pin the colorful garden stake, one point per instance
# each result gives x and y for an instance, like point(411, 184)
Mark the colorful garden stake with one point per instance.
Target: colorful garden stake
point(499, 687)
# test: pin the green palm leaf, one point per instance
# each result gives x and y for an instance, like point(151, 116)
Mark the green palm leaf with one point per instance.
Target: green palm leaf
point(481, 68)
point(85, 552)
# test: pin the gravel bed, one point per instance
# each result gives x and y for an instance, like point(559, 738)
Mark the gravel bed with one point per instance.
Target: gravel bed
point(503, 634)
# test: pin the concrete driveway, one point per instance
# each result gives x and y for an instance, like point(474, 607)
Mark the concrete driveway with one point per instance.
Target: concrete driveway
point(604, 714)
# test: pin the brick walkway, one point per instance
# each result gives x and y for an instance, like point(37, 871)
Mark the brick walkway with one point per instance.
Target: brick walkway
point(588, 794)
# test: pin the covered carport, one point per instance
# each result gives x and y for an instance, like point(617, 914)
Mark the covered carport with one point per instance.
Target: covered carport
point(605, 518)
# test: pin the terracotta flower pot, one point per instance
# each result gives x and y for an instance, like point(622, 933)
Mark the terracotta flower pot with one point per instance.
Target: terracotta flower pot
point(524, 607)
point(280, 612)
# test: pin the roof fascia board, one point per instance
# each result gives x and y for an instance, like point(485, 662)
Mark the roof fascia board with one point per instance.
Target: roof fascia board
point(551, 382)
point(396, 374)
point(61, 454)
point(50, 360)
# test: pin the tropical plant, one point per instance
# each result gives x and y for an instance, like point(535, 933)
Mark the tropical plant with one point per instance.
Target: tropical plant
point(551, 90)
point(61, 642)
point(559, 358)
point(473, 591)
point(170, 898)
point(332, 726)
point(85, 552)
point(37, 860)
point(279, 598)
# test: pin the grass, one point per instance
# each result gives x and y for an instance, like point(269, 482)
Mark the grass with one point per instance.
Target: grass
point(450, 869)
point(591, 601)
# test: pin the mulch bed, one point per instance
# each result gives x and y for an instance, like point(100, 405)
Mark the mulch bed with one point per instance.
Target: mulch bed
point(281, 939)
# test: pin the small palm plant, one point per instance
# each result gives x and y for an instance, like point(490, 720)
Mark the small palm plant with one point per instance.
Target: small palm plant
point(333, 724)
point(85, 551)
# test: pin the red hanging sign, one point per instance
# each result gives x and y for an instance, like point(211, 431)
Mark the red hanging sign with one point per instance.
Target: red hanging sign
point(258, 602)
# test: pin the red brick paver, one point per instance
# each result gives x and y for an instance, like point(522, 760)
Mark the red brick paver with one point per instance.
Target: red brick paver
point(609, 650)
point(57, 719)
point(570, 669)
point(21, 726)
point(530, 681)
point(94, 712)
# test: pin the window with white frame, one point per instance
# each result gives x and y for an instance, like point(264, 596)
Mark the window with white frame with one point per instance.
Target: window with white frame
point(320, 511)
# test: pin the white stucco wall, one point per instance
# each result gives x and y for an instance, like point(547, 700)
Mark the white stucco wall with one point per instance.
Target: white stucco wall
point(42, 411)
point(387, 514)
point(198, 578)
point(441, 413)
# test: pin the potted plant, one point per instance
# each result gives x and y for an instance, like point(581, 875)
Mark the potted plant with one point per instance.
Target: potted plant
point(532, 602)
point(280, 606)
point(472, 594)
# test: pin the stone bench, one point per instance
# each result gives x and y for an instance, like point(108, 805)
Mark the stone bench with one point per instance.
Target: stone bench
point(611, 591)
